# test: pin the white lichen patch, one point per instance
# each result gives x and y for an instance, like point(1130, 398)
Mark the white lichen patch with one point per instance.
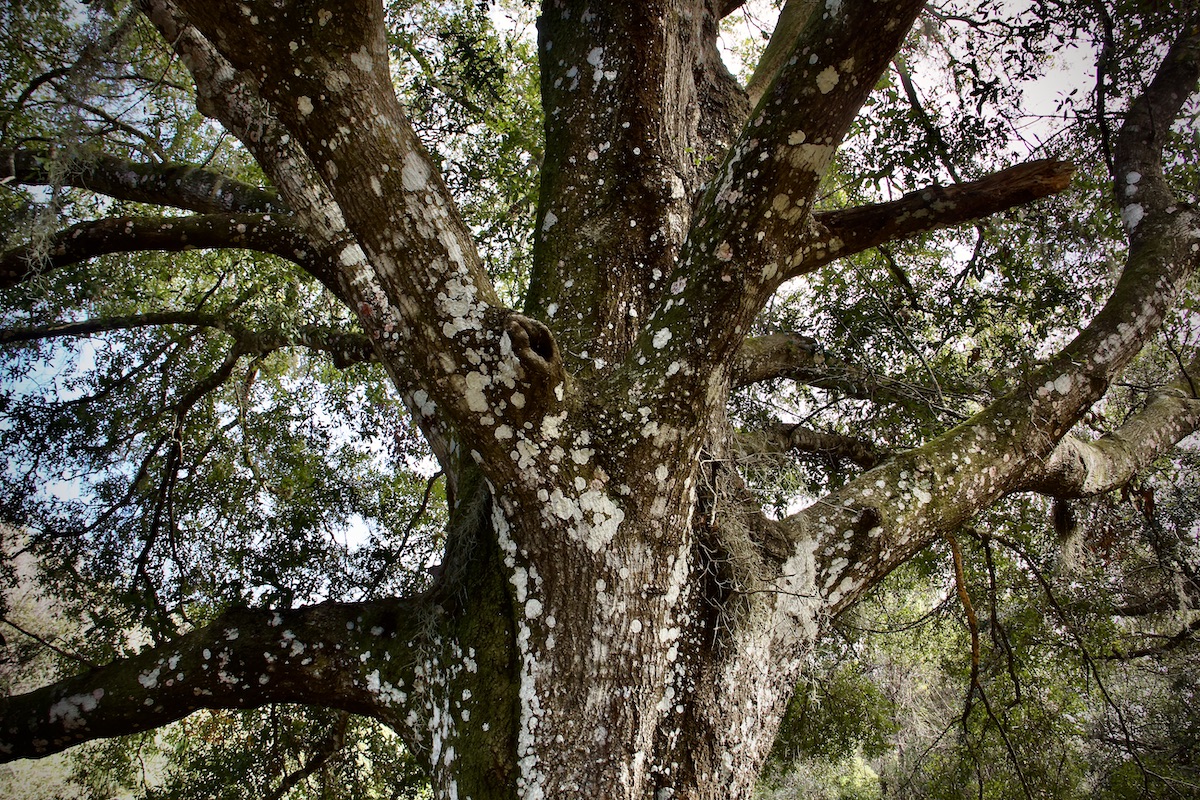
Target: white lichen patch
point(533, 608)
point(595, 58)
point(827, 79)
point(414, 173)
point(337, 80)
point(811, 157)
point(362, 59)
point(661, 337)
point(423, 403)
point(149, 680)
point(304, 105)
point(592, 518)
point(352, 255)
point(1131, 183)
point(474, 385)
point(798, 597)
point(457, 302)
point(1131, 215)
point(70, 709)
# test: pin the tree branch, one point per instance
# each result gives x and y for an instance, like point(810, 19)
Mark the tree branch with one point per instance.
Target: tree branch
point(225, 94)
point(263, 232)
point(936, 137)
point(918, 495)
point(346, 347)
point(325, 750)
point(244, 659)
point(781, 437)
point(183, 186)
point(234, 98)
point(796, 357)
point(853, 230)
point(792, 18)
point(760, 202)
point(727, 7)
point(1079, 468)
point(407, 263)
point(1186, 635)
point(753, 224)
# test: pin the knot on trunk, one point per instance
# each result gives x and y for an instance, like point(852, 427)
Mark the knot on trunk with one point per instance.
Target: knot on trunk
point(534, 346)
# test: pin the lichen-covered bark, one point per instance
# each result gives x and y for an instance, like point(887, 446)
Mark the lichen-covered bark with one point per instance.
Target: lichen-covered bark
point(261, 232)
point(245, 658)
point(637, 102)
point(181, 185)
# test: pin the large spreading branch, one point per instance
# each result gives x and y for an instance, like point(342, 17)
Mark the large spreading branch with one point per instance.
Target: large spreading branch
point(198, 189)
point(794, 15)
point(265, 233)
point(229, 96)
point(345, 347)
point(800, 358)
point(854, 230)
point(244, 659)
point(233, 97)
point(782, 437)
point(410, 264)
point(1081, 468)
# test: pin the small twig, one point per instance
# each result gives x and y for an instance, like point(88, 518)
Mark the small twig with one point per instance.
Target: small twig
point(373, 583)
point(325, 750)
point(1172, 642)
point(908, 626)
point(975, 686)
point(48, 644)
point(900, 329)
point(1183, 368)
point(999, 635)
point(1102, 62)
point(960, 585)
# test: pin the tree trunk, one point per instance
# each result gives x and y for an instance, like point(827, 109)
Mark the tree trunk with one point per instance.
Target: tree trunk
point(632, 670)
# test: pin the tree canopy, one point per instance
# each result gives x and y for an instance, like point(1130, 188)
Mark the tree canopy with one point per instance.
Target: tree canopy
point(506, 399)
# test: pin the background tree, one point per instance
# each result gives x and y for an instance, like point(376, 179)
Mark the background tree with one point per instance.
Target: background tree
point(558, 454)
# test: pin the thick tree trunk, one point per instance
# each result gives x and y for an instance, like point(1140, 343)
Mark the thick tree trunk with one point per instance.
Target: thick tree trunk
point(635, 670)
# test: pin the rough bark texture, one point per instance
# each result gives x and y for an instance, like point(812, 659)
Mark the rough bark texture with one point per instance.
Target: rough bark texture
point(615, 617)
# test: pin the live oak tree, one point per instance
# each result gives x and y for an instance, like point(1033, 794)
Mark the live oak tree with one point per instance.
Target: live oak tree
point(620, 609)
